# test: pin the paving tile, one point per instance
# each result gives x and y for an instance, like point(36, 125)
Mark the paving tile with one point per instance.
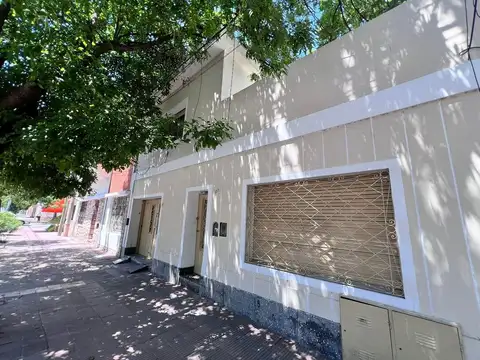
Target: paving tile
point(61, 342)
point(116, 316)
point(186, 344)
point(135, 335)
point(86, 312)
point(34, 347)
point(155, 343)
point(34, 335)
point(38, 356)
point(219, 355)
point(12, 350)
point(53, 329)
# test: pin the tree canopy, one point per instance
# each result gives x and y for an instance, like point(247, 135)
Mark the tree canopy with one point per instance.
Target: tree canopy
point(20, 198)
point(79, 80)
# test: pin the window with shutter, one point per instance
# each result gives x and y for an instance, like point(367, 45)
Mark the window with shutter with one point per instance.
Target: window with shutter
point(176, 127)
point(340, 229)
point(73, 212)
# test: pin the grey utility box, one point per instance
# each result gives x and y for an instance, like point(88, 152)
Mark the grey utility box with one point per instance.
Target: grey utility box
point(371, 332)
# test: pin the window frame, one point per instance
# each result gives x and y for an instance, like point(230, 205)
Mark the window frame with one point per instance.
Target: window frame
point(410, 301)
point(178, 126)
point(261, 251)
point(81, 213)
point(176, 110)
point(73, 212)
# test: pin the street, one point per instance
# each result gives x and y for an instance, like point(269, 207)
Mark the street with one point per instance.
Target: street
point(61, 298)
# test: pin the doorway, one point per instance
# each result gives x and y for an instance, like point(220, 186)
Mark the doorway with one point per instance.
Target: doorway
point(200, 233)
point(148, 227)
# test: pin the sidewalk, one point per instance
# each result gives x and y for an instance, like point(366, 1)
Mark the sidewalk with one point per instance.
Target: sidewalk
point(65, 300)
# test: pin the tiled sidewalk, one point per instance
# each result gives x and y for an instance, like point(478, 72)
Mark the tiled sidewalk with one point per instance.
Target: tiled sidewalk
point(65, 300)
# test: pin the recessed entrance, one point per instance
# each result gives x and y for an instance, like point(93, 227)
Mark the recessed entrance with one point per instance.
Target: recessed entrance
point(193, 257)
point(148, 227)
point(200, 233)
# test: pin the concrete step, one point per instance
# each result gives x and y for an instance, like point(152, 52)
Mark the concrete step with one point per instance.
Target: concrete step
point(192, 281)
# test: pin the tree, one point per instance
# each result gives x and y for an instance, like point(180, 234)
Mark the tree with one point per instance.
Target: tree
point(79, 80)
point(17, 196)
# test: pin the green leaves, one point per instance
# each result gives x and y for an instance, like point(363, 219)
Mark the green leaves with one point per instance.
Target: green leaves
point(8, 222)
point(341, 16)
point(78, 78)
point(206, 134)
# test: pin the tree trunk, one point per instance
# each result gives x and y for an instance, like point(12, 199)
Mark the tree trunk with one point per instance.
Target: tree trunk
point(4, 11)
point(19, 97)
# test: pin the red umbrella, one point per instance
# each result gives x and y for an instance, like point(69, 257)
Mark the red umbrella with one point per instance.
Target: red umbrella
point(55, 207)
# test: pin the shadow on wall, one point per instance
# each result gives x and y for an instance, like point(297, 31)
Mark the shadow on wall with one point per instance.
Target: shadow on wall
point(387, 52)
point(378, 55)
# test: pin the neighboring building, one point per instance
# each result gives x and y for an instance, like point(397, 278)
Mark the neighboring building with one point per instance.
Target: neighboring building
point(116, 207)
point(31, 210)
point(100, 218)
point(356, 175)
point(89, 210)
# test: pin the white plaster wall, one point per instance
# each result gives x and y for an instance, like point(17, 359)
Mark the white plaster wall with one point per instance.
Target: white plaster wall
point(132, 229)
point(103, 242)
point(436, 144)
point(417, 38)
point(438, 157)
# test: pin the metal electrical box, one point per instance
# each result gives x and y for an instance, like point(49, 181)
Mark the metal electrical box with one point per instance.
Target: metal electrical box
point(418, 338)
point(365, 331)
point(372, 332)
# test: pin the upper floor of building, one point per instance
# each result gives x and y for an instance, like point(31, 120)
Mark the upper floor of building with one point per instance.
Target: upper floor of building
point(415, 39)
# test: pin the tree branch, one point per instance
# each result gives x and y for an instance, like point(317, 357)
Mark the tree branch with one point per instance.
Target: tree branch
point(336, 9)
point(340, 3)
point(4, 11)
point(113, 45)
point(21, 96)
point(358, 11)
point(309, 9)
point(117, 29)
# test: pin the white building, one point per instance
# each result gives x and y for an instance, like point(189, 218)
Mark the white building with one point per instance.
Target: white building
point(357, 175)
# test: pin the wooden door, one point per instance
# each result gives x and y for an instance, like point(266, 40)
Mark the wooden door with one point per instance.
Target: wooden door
point(201, 223)
point(148, 232)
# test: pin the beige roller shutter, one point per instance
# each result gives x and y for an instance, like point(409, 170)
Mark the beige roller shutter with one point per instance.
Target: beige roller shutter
point(340, 229)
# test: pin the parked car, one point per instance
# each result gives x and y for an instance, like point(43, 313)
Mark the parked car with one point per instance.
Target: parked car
point(23, 218)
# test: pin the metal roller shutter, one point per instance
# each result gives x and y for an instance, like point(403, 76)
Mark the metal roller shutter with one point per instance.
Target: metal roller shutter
point(340, 229)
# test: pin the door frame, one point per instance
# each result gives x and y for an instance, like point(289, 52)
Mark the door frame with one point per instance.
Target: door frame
point(186, 257)
point(107, 213)
point(139, 230)
point(200, 231)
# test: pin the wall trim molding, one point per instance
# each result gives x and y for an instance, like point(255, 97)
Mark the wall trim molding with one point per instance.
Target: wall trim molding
point(181, 105)
point(118, 194)
point(149, 196)
point(410, 302)
point(438, 85)
point(94, 197)
point(157, 235)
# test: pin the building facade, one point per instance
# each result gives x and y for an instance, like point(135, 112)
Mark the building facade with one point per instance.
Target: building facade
point(100, 218)
point(115, 214)
point(355, 176)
